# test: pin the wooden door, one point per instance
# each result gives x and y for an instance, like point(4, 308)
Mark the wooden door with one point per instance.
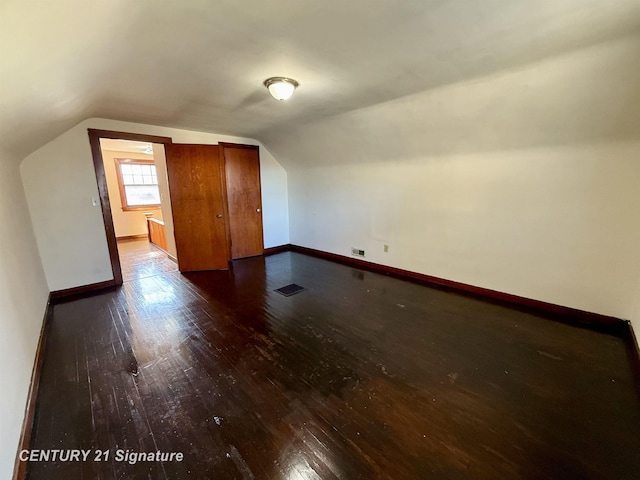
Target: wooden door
point(196, 187)
point(244, 199)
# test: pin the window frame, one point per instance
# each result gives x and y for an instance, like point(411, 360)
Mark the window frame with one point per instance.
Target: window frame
point(123, 195)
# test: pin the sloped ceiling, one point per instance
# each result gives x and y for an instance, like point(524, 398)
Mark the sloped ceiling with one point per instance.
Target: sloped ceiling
point(200, 64)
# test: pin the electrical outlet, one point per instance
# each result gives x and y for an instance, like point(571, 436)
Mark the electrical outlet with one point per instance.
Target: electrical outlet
point(386, 248)
point(357, 252)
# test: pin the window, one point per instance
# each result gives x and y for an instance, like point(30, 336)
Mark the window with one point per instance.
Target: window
point(138, 182)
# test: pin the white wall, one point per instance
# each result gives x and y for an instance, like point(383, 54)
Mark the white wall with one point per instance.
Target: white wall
point(59, 182)
point(131, 222)
point(163, 186)
point(525, 182)
point(23, 296)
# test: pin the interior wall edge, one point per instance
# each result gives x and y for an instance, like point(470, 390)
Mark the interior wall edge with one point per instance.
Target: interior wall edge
point(634, 323)
point(19, 471)
point(566, 314)
point(633, 349)
point(23, 296)
point(526, 182)
point(69, 230)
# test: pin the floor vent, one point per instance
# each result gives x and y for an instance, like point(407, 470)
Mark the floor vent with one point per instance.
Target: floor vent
point(290, 290)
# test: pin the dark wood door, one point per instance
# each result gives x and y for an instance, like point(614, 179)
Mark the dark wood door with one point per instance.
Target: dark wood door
point(244, 199)
point(196, 187)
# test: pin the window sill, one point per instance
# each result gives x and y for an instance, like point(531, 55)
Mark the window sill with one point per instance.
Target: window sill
point(142, 207)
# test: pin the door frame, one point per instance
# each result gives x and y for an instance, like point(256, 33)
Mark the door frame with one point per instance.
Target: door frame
point(101, 178)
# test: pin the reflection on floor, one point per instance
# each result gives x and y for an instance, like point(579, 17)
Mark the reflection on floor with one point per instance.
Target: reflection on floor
point(139, 259)
point(359, 376)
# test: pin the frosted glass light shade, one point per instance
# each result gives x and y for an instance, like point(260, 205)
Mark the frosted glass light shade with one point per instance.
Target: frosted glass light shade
point(280, 88)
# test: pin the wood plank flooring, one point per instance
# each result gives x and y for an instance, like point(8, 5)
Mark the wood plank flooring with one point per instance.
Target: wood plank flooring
point(139, 258)
point(359, 376)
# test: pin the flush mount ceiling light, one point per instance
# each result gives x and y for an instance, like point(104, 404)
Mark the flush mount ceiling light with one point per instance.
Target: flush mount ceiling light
point(280, 88)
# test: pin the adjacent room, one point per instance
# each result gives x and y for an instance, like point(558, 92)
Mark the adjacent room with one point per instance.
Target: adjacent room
point(136, 198)
point(294, 240)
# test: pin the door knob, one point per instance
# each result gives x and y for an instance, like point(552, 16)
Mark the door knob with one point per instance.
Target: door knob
point(219, 215)
point(258, 210)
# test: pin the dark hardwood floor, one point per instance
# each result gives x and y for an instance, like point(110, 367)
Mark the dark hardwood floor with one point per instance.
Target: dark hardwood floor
point(359, 376)
point(139, 259)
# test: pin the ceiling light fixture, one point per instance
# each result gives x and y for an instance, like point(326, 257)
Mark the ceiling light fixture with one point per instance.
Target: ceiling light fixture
point(280, 88)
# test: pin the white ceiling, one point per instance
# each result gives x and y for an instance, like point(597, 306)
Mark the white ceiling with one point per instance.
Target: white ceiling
point(125, 145)
point(200, 64)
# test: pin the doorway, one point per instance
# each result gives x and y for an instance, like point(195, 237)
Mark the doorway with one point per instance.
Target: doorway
point(132, 255)
point(135, 194)
point(200, 234)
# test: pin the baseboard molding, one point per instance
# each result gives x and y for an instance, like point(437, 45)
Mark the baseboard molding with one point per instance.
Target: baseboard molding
point(634, 347)
point(169, 256)
point(564, 314)
point(133, 237)
point(633, 353)
point(634, 340)
point(278, 249)
point(20, 468)
point(77, 292)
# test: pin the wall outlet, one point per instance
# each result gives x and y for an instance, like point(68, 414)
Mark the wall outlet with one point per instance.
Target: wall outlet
point(357, 252)
point(386, 248)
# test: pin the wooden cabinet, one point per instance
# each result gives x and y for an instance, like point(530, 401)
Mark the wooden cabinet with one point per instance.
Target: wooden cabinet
point(157, 234)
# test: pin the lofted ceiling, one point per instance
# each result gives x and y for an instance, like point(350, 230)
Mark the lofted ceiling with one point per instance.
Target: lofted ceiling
point(200, 64)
